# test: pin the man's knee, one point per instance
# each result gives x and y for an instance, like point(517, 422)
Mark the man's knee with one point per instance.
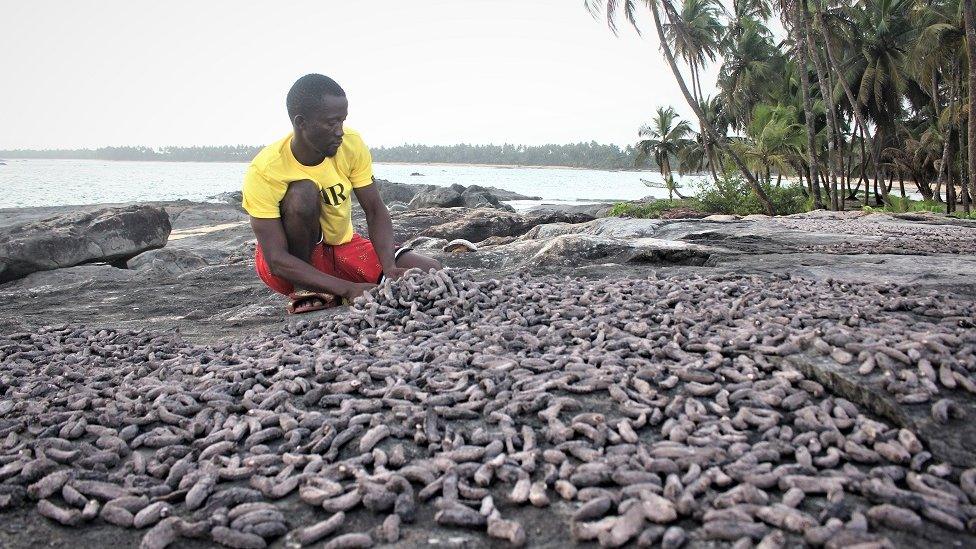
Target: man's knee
point(302, 201)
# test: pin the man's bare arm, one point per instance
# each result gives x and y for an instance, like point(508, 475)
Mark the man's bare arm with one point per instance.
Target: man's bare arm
point(274, 244)
point(380, 227)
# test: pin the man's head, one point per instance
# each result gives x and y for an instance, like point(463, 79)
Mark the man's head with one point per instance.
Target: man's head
point(318, 107)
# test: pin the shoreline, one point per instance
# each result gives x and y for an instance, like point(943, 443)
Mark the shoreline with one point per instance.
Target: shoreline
point(511, 166)
point(395, 163)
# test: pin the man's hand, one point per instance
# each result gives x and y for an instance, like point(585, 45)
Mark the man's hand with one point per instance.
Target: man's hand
point(394, 273)
point(357, 289)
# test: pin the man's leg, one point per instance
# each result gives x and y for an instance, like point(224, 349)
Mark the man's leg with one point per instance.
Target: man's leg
point(410, 260)
point(300, 209)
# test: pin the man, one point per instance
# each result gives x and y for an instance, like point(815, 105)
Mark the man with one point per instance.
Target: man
point(298, 193)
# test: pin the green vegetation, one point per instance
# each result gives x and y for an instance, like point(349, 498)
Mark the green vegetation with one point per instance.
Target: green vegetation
point(228, 153)
point(868, 98)
point(665, 138)
point(907, 205)
point(729, 194)
point(652, 208)
point(578, 155)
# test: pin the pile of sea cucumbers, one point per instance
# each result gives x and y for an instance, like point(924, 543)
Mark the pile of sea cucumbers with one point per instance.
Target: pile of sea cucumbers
point(634, 411)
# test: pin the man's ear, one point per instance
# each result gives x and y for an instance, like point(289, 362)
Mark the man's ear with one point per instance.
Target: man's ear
point(298, 122)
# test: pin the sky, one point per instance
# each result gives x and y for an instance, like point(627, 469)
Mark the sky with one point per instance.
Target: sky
point(92, 73)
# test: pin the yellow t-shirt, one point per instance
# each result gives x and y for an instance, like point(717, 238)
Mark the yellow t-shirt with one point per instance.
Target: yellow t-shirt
point(275, 167)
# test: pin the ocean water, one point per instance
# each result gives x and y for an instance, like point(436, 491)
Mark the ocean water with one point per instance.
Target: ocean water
point(25, 183)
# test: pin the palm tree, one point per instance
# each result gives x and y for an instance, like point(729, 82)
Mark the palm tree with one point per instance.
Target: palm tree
point(794, 19)
point(747, 71)
point(664, 138)
point(774, 139)
point(835, 139)
point(939, 48)
point(628, 7)
point(743, 13)
point(716, 116)
point(833, 54)
point(695, 37)
point(970, 19)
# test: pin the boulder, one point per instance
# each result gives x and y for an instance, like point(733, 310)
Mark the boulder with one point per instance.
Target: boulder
point(599, 209)
point(438, 197)
point(168, 261)
point(392, 192)
point(483, 199)
point(109, 235)
point(474, 196)
point(612, 227)
point(67, 280)
point(502, 194)
point(231, 197)
point(479, 224)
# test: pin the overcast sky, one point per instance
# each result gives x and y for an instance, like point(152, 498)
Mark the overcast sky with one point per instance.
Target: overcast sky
point(91, 73)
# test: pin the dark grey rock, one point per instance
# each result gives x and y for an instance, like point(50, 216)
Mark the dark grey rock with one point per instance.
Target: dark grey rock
point(69, 279)
point(110, 235)
point(438, 197)
point(168, 261)
point(474, 196)
point(231, 197)
point(474, 225)
point(599, 209)
point(502, 194)
point(392, 192)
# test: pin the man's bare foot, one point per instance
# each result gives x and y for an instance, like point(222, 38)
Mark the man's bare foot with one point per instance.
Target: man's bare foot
point(304, 302)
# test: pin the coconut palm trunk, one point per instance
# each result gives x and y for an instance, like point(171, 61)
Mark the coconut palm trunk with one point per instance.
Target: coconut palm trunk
point(969, 14)
point(813, 160)
point(943, 170)
point(834, 157)
point(853, 101)
point(702, 121)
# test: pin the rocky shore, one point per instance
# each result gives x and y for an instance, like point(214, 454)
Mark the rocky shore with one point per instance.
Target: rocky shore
point(788, 380)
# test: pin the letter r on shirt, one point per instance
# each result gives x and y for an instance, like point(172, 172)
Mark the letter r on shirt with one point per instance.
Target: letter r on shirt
point(333, 196)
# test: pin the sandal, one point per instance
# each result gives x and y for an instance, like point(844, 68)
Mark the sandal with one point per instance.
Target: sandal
point(306, 302)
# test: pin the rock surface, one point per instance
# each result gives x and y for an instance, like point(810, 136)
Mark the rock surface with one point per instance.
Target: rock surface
point(181, 290)
point(459, 196)
point(478, 224)
point(110, 235)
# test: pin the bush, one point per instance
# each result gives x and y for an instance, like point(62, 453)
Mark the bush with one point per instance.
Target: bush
point(729, 195)
point(732, 195)
point(650, 209)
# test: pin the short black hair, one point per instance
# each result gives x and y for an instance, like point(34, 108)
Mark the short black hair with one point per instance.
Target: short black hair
point(307, 91)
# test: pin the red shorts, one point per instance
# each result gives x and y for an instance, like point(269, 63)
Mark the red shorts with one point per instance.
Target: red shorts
point(355, 261)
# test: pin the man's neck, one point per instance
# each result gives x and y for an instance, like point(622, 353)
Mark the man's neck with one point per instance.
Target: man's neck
point(305, 155)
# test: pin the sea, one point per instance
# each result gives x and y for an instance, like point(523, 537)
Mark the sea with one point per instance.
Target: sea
point(34, 182)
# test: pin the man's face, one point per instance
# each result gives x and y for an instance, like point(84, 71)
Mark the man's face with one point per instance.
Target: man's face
point(322, 129)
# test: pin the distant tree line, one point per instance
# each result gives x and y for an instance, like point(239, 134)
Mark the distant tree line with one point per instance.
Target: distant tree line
point(226, 153)
point(576, 155)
